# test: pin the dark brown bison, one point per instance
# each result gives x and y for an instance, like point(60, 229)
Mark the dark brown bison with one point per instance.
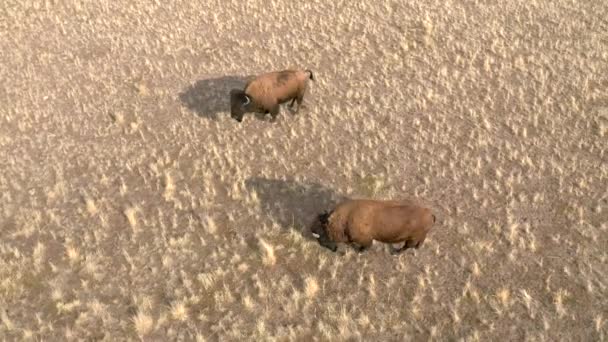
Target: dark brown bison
point(266, 92)
point(361, 221)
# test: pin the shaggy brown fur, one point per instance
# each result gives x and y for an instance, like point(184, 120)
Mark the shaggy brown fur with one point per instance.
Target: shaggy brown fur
point(266, 92)
point(360, 221)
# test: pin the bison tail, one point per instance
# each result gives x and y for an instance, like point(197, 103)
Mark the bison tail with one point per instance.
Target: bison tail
point(434, 219)
point(311, 75)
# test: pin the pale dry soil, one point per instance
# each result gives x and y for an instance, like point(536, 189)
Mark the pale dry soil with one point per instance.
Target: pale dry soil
point(133, 208)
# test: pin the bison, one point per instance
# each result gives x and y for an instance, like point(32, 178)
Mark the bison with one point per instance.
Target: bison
point(361, 221)
point(266, 92)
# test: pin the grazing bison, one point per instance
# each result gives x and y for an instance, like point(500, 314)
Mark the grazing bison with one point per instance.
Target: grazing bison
point(266, 92)
point(360, 221)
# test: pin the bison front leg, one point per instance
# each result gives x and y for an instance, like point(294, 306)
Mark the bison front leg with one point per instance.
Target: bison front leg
point(361, 246)
point(274, 112)
point(359, 241)
point(332, 246)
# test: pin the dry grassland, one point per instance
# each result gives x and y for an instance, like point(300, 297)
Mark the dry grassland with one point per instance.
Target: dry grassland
point(133, 208)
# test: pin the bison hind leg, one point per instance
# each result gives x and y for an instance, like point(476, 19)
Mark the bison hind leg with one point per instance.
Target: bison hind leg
point(299, 99)
point(396, 251)
point(408, 244)
point(292, 108)
point(292, 102)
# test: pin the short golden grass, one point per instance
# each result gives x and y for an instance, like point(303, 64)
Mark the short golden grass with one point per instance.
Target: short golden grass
point(132, 207)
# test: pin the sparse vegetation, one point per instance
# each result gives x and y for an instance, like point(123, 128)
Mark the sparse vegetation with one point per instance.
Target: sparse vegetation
point(132, 207)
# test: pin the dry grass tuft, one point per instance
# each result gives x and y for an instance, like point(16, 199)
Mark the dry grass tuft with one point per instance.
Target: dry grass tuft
point(268, 255)
point(130, 214)
point(559, 297)
point(179, 311)
point(504, 295)
point(311, 287)
point(143, 323)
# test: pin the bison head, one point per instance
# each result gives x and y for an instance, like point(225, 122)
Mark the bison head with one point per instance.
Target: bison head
point(319, 231)
point(239, 102)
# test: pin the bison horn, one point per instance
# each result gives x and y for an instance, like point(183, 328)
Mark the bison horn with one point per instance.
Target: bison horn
point(316, 235)
point(247, 100)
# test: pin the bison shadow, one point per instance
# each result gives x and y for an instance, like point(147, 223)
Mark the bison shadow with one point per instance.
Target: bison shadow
point(211, 96)
point(290, 203)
